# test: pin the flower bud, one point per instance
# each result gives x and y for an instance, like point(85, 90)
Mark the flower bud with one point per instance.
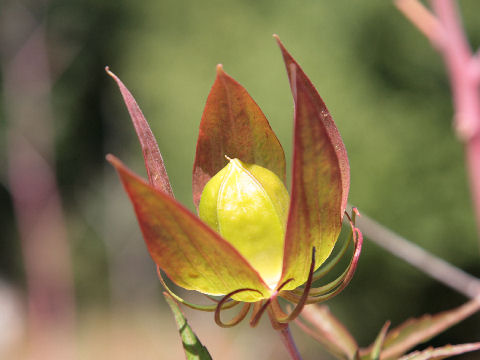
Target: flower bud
point(248, 206)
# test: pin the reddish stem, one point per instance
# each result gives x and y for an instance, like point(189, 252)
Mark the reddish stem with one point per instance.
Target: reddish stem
point(459, 60)
point(464, 71)
point(457, 56)
point(422, 18)
point(289, 343)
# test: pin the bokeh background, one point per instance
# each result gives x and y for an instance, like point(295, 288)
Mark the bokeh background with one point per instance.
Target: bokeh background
point(384, 84)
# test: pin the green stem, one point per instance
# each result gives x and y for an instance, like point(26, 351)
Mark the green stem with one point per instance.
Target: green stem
point(289, 343)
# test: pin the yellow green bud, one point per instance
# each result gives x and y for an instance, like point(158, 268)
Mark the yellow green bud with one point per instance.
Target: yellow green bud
point(248, 206)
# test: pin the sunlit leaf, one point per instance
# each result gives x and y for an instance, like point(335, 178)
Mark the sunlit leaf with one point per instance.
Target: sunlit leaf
point(416, 331)
point(320, 179)
point(319, 323)
point(157, 175)
point(194, 350)
point(233, 125)
point(191, 253)
point(442, 353)
point(328, 291)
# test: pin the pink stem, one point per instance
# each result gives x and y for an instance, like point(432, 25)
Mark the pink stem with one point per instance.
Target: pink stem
point(35, 195)
point(289, 343)
point(465, 88)
point(458, 57)
point(422, 18)
point(444, 29)
point(464, 71)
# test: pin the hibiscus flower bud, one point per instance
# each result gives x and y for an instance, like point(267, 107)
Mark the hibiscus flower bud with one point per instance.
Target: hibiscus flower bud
point(248, 205)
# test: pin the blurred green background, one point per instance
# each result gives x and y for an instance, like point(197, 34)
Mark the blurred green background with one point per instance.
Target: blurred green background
point(383, 83)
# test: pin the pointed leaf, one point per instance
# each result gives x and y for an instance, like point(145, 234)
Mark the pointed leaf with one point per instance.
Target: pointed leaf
point(157, 175)
point(233, 125)
point(191, 253)
point(442, 353)
point(320, 179)
point(378, 343)
point(194, 350)
point(416, 331)
point(328, 330)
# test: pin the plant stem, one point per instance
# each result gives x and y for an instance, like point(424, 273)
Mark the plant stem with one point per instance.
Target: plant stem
point(461, 66)
point(289, 343)
point(444, 29)
point(431, 265)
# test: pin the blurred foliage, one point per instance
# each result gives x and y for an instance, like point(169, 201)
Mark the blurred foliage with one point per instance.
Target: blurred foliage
point(384, 84)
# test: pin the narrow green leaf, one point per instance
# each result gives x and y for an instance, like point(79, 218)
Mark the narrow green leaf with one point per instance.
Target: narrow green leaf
point(416, 331)
point(442, 353)
point(329, 331)
point(191, 254)
point(194, 350)
point(378, 344)
point(157, 174)
point(233, 125)
point(320, 179)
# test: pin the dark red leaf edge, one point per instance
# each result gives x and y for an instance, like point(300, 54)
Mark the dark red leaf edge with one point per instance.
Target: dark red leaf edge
point(327, 120)
point(320, 158)
point(157, 174)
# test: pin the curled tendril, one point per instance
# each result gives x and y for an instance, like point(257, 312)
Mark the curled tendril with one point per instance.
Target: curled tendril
point(207, 308)
point(335, 287)
point(257, 307)
point(300, 297)
point(258, 314)
point(276, 318)
point(273, 312)
point(239, 317)
point(334, 261)
point(331, 264)
point(301, 303)
point(212, 298)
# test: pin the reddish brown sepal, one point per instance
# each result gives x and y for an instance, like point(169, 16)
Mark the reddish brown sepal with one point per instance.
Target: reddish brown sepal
point(157, 175)
point(320, 179)
point(233, 125)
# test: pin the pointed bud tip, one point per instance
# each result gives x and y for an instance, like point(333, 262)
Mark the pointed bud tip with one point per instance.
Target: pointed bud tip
point(220, 69)
point(110, 73)
point(277, 38)
point(112, 159)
